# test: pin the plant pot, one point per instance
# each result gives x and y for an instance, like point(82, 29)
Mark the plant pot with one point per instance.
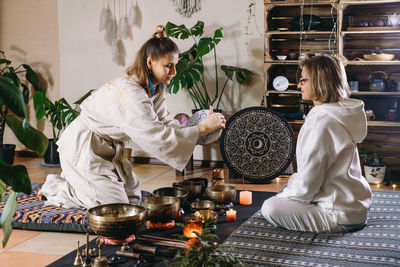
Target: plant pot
point(7, 153)
point(51, 156)
point(215, 110)
point(374, 175)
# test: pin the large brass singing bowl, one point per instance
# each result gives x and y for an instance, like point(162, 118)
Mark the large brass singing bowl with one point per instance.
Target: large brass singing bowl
point(221, 193)
point(161, 209)
point(117, 220)
point(194, 188)
point(178, 192)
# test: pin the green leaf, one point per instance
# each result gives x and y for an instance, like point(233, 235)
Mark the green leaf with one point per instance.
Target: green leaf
point(5, 61)
point(25, 93)
point(12, 75)
point(7, 217)
point(27, 135)
point(80, 100)
point(12, 97)
point(197, 29)
point(3, 189)
point(15, 176)
point(179, 32)
point(32, 77)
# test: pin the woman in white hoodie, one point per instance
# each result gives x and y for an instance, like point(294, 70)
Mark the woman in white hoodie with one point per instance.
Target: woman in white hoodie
point(328, 193)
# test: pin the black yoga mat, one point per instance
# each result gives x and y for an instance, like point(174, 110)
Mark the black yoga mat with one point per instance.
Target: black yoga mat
point(224, 229)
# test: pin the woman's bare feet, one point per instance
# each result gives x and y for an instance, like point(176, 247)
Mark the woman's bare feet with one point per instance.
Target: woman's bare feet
point(41, 196)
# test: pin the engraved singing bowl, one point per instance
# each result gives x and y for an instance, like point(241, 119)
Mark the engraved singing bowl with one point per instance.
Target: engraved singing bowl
point(194, 188)
point(207, 215)
point(202, 205)
point(221, 193)
point(161, 208)
point(203, 181)
point(116, 220)
point(181, 193)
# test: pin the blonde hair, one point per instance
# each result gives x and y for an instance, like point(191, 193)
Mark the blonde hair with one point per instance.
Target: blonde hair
point(327, 77)
point(156, 47)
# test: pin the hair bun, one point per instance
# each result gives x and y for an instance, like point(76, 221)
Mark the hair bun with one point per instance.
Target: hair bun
point(160, 32)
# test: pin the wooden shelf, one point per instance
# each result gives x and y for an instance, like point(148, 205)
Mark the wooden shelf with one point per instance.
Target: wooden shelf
point(298, 3)
point(284, 62)
point(367, 2)
point(376, 93)
point(369, 123)
point(269, 33)
point(289, 92)
point(373, 62)
point(369, 32)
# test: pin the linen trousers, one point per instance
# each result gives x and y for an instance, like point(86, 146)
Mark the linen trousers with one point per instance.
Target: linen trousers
point(299, 216)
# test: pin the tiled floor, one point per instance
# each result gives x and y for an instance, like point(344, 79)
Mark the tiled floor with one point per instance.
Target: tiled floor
point(34, 248)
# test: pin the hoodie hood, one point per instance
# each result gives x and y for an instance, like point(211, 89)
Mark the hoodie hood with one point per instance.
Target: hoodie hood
point(349, 113)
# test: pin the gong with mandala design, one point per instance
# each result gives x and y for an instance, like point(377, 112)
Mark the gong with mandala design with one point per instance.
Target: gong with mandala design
point(258, 144)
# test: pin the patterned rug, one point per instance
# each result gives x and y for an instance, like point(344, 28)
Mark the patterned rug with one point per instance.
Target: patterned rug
point(32, 214)
point(258, 243)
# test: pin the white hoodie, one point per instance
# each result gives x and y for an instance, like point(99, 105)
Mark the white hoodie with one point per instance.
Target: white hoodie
point(329, 172)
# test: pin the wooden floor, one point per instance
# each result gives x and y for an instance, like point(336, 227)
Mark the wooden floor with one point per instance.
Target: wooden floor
point(35, 248)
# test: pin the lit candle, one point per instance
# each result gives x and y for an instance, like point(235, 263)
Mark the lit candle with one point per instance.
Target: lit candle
point(394, 187)
point(245, 198)
point(192, 224)
point(277, 180)
point(231, 215)
point(378, 186)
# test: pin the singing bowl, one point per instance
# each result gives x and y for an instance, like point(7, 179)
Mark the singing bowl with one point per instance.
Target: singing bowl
point(221, 193)
point(207, 215)
point(178, 192)
point(116, 220)
point(203, 181)
point(385, 57)
point(194, 188)
point(202, 205)
point(161, 208)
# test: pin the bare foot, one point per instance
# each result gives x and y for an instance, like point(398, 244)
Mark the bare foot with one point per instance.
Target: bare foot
point(41, 196)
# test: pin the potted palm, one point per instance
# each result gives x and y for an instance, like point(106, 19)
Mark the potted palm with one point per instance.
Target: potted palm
point(12, 99)
point(60, 114)
point(190, 67)
point(374, 168)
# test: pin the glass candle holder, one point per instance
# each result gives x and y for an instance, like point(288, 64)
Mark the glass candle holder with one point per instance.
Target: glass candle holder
point(192, 224)
point(245, 197)
point(231, 215)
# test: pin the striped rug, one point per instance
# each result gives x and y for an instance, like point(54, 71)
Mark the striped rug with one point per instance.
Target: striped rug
point(258, 243)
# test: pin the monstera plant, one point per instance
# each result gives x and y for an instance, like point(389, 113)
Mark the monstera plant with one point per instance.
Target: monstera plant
point(13, 112)
point(190, 67)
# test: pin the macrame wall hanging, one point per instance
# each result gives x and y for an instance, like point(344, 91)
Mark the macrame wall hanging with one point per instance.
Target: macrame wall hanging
point(186, 8)
point(117, 30)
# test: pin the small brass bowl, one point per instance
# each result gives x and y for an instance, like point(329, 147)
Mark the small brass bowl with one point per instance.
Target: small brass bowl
point(181, 193)
point(161, 209)
point(116, 220)
point(194, 188)
point(207, 215)
point(202, 205)
point(203, 181)
point(221, 193)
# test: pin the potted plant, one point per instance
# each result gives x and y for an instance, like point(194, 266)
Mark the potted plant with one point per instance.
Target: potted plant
point(60, 113)
point(190, 67)
point(12, 99)
point(374, 168)
point(13, 120)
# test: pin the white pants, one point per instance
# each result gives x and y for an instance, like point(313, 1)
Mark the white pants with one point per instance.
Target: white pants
point(299, 216)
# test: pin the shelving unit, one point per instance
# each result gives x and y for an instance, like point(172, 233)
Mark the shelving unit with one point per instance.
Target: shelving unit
point(361, 26)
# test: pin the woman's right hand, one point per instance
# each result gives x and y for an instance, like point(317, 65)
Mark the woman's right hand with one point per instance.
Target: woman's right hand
point(214, 121)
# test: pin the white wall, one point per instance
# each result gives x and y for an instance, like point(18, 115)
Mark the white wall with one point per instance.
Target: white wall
point(85, 59)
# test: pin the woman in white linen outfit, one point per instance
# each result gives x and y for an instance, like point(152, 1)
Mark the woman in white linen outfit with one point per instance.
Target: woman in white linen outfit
point(328, 193)
point(95, 170)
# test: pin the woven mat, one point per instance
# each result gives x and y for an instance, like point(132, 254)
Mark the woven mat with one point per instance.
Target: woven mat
point(258, 243)
point(32, 214)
